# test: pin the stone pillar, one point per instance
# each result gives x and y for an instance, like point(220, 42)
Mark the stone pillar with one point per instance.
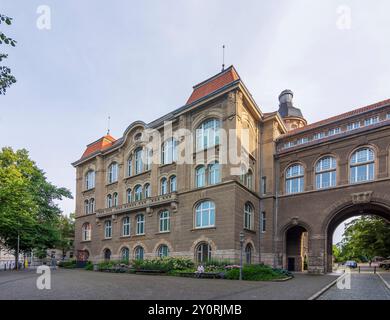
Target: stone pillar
point(316, 258)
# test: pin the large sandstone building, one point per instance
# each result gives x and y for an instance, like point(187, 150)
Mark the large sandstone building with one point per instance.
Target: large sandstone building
point(137, 199)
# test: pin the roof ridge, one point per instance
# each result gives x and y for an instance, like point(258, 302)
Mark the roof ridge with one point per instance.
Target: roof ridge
point(216, 76)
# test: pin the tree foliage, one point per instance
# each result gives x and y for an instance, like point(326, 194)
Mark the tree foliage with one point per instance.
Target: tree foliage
point(364, 238)
point(27, 203)
point(6, 78)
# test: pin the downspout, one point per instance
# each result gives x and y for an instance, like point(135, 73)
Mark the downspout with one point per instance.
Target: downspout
point(276, 207)
point(261, 184)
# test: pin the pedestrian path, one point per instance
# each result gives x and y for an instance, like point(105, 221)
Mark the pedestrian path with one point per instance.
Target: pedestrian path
point(362, 287)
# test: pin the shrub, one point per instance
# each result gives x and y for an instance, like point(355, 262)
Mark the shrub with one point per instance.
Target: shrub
point(67, 264)
point(89, 266)
point(255, 273)
point(165, 264)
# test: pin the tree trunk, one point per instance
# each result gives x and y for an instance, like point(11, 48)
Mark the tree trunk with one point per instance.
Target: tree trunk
point(16, 260)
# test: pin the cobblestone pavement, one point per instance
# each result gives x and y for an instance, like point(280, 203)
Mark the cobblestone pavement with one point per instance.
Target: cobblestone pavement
point(80, 284)
point(363, 287)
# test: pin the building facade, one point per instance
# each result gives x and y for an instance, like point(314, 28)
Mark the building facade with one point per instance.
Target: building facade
point(189, 183)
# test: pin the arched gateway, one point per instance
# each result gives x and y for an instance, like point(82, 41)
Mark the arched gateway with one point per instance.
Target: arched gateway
point(307, 245)
point(360, 205)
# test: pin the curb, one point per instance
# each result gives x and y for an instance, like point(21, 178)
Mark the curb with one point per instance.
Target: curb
point(326, 288)
point(384, 281)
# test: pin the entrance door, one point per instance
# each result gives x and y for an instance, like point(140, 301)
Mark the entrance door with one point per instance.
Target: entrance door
point(291, 264)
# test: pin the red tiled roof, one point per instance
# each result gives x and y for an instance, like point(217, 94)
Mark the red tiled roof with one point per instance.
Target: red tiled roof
point(213, 84)
point(99, 145)
point(339, 117)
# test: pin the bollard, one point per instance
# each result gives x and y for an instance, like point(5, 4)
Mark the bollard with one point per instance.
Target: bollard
point(359, 269)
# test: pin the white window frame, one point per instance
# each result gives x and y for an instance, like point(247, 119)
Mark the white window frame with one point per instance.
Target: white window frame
point(90, 180)
point(292, 177)
point(354, 164)
point(129, 195)
point(172, 184)
point(214, 173)
point(109, 201)
point(210, 211)
point(138, 154)
point(112, 174)
point(164, 221)
point(163, 186)
point(208, 134)
point(140, 224)
point(200, 177)
point(115, 200)
point(163, 253)
point(320, 171)
point(108, 229)
point(86, 232)
point(248, 216)
point(138, 195)
point(126, 227)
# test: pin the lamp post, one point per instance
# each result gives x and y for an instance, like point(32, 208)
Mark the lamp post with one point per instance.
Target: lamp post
point(241, 247)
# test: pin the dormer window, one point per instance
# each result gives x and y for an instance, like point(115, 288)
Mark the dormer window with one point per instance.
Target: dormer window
point(319, 135)
point(388, 115)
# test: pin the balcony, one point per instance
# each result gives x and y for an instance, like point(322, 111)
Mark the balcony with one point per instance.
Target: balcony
point(145, 204)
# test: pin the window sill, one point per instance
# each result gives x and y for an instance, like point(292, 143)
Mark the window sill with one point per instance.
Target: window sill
point(163, 232)
point(106, 239)
point(204, 228)
point(111, 183)
point(137, 175)
point(125, 237)
point(85, 241)
point(250, 230)
point(139, 235)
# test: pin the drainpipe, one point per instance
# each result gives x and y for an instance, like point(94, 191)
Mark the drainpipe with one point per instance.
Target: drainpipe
point(276, 207)
point(261, 184)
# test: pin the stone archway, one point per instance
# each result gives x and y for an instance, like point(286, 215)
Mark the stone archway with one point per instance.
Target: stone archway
point(296, 248)
point(372, 207)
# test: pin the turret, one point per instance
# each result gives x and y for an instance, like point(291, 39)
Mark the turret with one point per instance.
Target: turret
point(292, 116)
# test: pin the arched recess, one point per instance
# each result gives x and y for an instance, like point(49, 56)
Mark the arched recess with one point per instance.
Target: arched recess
point(363, 204)
point(296, 248)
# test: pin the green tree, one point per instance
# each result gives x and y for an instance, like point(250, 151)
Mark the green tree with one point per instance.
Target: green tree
point(365, 238)
point(6, 78)
point(66, 229)
point(28, 211)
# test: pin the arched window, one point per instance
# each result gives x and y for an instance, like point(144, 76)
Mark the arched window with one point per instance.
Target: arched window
point(248, 253)
point(248, 216)
point(214, 173)
point(108, 229)
point(107, 254)
point(140, 224)
point(164, 221)
point(90, 180)
point(86, 206)
point(149, 158)
point(203, 252)
point(115, 199)
point(126, 226)
point(163, 186)
point(147, 191)
point(247, 177)
point(207, 134)
point(163, 251)
point(326, 173)
point(138, 161)
point(294, 179)
point(125, 254)
point(139, 253)
point(362, 165)
point(172, 184)
point(138, 193)
point(86, 232)
point(130, 167)
point(200, 176)
point(205, 215)
point(112, 174)
point(169, 151)
point(109, 201)
point(92, 205)
point(129, 195)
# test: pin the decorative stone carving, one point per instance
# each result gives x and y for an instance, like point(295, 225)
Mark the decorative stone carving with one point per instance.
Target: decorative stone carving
point(174, 206)
point(362, 197)
point(149, 211)
point(295, 221)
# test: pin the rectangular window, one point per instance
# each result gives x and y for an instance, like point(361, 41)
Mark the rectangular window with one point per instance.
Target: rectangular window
point(388, 116)
point(334, 131)
point(353, 126)
point(264, 185)
point(108, 229)
point(371, 121)
point(263, 222)
point(126, 227)
point(319, 135)
point(140, 225)
point(303, 140)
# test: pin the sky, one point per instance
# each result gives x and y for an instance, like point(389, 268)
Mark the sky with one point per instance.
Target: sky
point(138, 60)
